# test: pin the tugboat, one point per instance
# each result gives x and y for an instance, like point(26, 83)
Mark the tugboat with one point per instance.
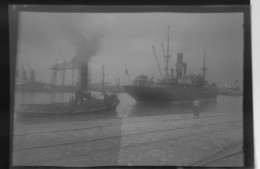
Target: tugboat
point(82, 102)
point(181, 87)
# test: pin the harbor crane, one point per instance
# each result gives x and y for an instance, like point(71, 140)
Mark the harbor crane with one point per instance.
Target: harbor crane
point(62, 67)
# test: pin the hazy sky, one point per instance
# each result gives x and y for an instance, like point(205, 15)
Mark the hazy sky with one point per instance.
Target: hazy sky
point(124, 40)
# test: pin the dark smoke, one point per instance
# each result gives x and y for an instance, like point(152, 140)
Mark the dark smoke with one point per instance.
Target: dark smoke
point(81, 30)
point(85, 35)
point(86, 47)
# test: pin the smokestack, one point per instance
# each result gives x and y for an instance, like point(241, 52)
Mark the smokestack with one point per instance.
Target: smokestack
point(179, 65)
point(84, 77)
point(172, 70)
point(180, 57)
point(103, 78)
point(204, 67)
point(184, 68)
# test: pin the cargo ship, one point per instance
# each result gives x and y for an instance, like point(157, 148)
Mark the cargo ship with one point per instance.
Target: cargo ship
point(176, 86)
point(81, 102)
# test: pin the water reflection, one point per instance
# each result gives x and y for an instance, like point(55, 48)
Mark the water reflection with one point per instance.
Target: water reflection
point(149, 109)
point(128, 107)
point(68, 117)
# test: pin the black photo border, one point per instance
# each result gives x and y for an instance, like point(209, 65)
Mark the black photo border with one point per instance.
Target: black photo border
point(9, 18)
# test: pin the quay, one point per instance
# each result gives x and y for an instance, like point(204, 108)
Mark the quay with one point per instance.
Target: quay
point(173, 140)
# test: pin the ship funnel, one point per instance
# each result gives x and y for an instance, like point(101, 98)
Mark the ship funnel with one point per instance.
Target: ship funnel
point(184, 68)
point(172, 70)
point(204, 67)
point(179, 65)
point(84, 77)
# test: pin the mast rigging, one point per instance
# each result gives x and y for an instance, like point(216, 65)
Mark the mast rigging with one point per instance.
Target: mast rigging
point(157, 62)
point(167, 54)
point(204, 66)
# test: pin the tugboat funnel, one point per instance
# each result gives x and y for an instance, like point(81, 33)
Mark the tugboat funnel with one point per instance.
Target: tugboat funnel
point(84, 77)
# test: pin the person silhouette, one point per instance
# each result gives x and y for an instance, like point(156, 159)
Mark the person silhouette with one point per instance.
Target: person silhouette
point(196, 106)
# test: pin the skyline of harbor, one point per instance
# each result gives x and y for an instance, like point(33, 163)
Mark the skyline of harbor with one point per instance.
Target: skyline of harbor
point(125, 40)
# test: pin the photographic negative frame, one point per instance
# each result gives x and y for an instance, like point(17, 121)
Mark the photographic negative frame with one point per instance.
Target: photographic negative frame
point(247, 69)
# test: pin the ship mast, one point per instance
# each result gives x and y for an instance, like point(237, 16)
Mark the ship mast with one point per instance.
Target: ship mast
point(157, 62)
point(167, 54)
point(204, 67)
point(166, 57)
point(103, 78)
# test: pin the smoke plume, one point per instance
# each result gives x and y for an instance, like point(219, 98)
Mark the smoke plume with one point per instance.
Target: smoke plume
point(85, 47)
point(85, 35)
point(44, 30)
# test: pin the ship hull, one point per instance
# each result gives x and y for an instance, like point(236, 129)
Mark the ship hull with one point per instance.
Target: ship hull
point(23, 114)
point(168, 94)
point(70, 108)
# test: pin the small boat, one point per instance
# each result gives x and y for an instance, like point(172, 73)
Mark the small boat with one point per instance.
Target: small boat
point(77, 105)
point(231, 90)
point(83, 102)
